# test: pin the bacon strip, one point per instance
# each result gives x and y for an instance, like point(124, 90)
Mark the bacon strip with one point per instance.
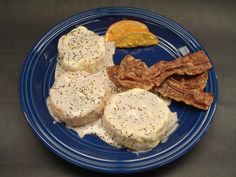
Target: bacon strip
point(190, 64)
point(183, 79)
point(129, 74)
point(180, 90)
point(132, 69)
point(112, 72)
point(191, 82)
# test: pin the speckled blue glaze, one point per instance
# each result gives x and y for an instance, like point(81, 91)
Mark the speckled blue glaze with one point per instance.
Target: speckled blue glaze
point(90, 152)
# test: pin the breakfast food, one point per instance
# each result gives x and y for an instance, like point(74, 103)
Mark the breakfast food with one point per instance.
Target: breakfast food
point(137, 39)
point(133, 73)
point(108, 60)
point(198, 81)
point(129, 34)
point(97, 128)
point(120, 28)
point(186, 91)
point(138, 119)
point(130, 74)
point(136, 72)
point(77, 98)
point(81, 49)
point(125, 105)
point(190, 64)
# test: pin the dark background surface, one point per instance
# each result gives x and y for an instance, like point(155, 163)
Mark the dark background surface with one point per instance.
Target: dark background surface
point(213, 23)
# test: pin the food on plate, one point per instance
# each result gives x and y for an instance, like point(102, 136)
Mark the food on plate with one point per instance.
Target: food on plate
point(190, 64)
point(120, 28)
point(110, 51)
point(189, 91)
point(133, 73)
point(111, 86)
point(136, 39)
point(97, 128)
point(198, 81)
point(138, 119)
point(112, 72)
point(108, 60)
point(77, 98)
point(130, 73)
point(90, 94)
point(82, 49)
point(129, 34)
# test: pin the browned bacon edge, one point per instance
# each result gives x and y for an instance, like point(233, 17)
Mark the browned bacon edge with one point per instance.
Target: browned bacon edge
point(192, 82)
point(132, 69)
point(182, 79)
point(190, 64)
point(129, 74)
point(112, 72)
point(182, 90)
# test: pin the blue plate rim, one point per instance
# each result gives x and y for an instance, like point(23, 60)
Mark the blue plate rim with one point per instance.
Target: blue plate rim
point(53, 149)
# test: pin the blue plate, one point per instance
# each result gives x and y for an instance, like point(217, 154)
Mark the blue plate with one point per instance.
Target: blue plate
point(37, 77)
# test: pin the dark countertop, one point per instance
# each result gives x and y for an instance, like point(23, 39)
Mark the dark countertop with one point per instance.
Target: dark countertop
point(213, 23)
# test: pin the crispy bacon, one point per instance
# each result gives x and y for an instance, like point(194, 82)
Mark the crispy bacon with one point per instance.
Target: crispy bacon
point(182, 79)
point(192, 82)
point(182, 90)
point(190, 64)
point(112, 72)
point(132, 69)
point(129, 74)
